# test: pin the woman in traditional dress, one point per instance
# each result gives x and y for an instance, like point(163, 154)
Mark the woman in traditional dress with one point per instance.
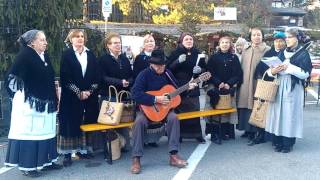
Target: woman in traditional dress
point(185, 63)
point(30, 82)
point(226, 73)
point(285, 115)
point(251, 56)
point(79, 77)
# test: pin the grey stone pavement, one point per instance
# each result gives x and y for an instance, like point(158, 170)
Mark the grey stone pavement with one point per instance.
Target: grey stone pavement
point(231, 160)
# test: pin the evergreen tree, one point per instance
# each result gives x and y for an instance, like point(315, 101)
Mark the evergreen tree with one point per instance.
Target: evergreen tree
point(254, 13)
point(53, 17)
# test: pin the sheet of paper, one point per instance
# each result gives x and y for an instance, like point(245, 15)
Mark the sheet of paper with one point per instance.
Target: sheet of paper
point(271, 61)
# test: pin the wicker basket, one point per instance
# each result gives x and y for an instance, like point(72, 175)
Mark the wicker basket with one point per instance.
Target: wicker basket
point(266, 90)
point(115, 146)
point(224, 102)
point(259, 113)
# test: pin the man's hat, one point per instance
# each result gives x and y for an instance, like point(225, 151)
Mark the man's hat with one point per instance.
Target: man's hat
point(157, 57)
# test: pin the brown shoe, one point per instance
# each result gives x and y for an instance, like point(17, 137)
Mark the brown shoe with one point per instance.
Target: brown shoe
point(136, 166)
point(176, 161)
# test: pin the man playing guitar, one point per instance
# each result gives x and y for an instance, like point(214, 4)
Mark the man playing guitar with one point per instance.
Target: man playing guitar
point(150, 79)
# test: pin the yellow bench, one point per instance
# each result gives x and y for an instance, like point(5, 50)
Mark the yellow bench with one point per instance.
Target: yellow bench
point(181, 116)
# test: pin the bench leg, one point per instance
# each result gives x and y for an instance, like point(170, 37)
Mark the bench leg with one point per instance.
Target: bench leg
point(220, 129)
point(107, 147)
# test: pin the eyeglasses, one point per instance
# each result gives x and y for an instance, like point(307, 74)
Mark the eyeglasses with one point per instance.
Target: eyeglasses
point(115, 42)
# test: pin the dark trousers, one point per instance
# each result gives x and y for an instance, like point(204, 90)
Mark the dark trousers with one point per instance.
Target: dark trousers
point(140, 126)
point(192, 127)
point(284, 142)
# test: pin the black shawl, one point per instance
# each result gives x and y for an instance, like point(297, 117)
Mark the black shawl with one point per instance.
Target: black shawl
point(300, 59)
point(35, 77)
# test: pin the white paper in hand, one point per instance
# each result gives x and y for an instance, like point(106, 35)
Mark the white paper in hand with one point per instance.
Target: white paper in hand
point(271, 61)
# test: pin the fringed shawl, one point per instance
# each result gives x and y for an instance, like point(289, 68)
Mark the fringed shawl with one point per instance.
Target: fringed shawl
point(35, 77)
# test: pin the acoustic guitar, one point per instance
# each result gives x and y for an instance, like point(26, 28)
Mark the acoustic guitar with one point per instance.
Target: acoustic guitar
point(158, 112)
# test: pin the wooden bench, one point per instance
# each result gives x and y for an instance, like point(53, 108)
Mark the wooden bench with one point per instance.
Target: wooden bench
point(181, 116)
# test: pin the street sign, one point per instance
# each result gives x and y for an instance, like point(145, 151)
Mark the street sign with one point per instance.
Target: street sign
point(106, 8)
point(225, 13)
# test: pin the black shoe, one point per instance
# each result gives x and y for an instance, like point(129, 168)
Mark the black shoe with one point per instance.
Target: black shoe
point(85, 156)
point(153, 144)
point(251, 143)
point(244, 135)
point(32, 174)
point(53, 166)
point(251, 135)
point(67, 160)
point(278, 148)
point(201, 140)
point(215, 139)
point(286, 149)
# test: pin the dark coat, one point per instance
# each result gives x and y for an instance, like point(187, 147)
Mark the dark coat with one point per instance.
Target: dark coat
point(114, 71)
point(226, 68)
point(73, 112)
point(140, 63)
point(183, 71)
point(149, 80)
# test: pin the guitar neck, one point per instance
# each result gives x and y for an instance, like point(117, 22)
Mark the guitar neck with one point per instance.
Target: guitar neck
point(183, 88)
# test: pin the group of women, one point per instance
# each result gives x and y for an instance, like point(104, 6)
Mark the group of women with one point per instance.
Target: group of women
point(34, 144)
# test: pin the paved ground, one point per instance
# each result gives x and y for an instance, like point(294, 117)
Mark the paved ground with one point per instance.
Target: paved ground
point(231, 160)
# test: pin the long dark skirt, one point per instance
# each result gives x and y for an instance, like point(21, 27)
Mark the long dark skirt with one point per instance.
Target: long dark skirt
point(31, 155)
point(243, 124)
point(190, 128)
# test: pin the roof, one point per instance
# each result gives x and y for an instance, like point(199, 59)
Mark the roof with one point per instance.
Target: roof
point(288, 11)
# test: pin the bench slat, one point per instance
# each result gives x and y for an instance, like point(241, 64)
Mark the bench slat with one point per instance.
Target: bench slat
point(181, 116)
point(97, 127)
point(196, 114)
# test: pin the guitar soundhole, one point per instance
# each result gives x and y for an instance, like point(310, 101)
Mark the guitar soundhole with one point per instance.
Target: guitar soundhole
point(168, 96)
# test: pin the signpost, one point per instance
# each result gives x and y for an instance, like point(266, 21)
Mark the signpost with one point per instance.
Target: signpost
point(106, 11)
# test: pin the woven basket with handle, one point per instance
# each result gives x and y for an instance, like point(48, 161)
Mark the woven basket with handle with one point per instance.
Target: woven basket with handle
point(266, 90)
point(224, 102)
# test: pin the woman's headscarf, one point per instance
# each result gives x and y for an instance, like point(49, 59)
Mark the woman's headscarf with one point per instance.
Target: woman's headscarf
point(28, 37)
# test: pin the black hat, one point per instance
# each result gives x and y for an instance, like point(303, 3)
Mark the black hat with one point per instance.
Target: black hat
point(157, 57)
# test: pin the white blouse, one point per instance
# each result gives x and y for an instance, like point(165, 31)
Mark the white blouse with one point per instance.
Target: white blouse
point(82, 58)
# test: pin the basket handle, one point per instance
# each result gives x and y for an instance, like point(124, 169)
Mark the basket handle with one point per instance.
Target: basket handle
point(111, 87)
point(265, 73)
point(121, 93)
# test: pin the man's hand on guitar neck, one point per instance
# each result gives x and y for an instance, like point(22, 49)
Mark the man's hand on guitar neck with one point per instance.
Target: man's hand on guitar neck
point(192, 85)
point(162, 99)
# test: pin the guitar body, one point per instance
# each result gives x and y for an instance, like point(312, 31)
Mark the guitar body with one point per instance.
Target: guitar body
point(158, 112)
